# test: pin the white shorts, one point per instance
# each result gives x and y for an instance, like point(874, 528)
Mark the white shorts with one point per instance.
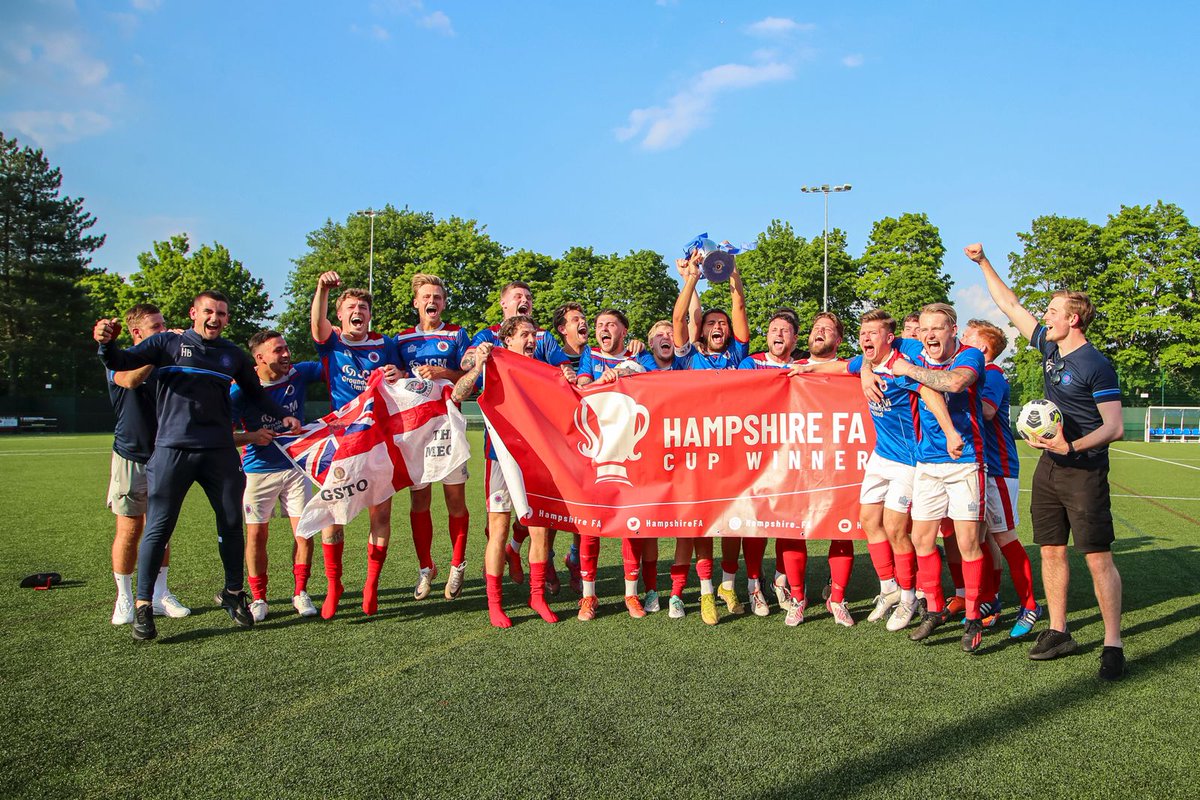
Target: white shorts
point(1002, 513)
point(288, 487)
point(949, 490)
point(888, 482)
point(127, 489)
point(499, 501)
point(458, 478)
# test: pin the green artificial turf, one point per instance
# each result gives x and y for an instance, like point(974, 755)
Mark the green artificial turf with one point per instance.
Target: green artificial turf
point(426, 700)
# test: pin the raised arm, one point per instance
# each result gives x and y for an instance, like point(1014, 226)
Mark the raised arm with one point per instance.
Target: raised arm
point(465, 387)
point(1005, 297)
point(737, 295)
point(321, 327)
point(940, 380)
point(691, 276)
point(140, 355)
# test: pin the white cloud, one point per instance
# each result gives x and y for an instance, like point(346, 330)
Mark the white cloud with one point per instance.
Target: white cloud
point(51, 128)
point(670, 124)
point(777, 26)
point(437, 21)
point(853, 60)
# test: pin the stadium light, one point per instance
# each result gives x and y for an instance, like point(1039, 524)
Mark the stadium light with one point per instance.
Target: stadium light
point(370, 212)
point(825, 189)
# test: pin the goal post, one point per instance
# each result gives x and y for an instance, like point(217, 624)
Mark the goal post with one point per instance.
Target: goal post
point(1173, 424)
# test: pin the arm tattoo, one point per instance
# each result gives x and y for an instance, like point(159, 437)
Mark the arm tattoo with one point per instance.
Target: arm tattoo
point(940, 380)
point(468, 363)
point(465, 387)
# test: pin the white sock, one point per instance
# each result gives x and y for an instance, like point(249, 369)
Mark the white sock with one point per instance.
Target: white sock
point(630, 587)
point(960, 593)
point(908, 596)
point(706, 586)
point(920, 594)
point(514, 546)
point(589, 588)
point(752, 585)
point(160, 584)
point(727, 579)
point(780, 579)
point(124, 586)
point(888, 586)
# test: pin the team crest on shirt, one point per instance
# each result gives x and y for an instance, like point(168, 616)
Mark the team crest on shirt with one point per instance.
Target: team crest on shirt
point(1066, 378)
point(418, 386)
point(373, 357)
point(249, 508)
point(290, 390)
point(443, 346)
point(226, 361)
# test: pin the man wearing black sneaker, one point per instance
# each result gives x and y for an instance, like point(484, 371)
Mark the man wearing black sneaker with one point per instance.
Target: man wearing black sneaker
point(194, 443)
point(1070, 486)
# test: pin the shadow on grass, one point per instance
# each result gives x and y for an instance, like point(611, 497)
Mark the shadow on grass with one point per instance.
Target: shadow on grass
point(876, 770)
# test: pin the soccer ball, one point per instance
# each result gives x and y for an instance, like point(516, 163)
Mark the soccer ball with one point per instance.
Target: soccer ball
point(1039, 419)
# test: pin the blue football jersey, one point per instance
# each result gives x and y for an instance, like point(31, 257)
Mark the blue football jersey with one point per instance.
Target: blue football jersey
point(594, 361)
point(347, 365)
point(547, 349)
point(999, 444)
point(762, 361)
point(895, 418)
point(444, 347)
point(289, 392)
point(966, 407)
point(729, 358)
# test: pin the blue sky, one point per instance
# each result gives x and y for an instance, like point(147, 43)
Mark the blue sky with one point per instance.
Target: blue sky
point(620, 125)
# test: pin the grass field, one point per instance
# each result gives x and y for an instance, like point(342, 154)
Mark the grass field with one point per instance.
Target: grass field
point(426, 700)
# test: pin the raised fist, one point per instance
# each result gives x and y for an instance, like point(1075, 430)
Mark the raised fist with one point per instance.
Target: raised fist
point(329, 280)
point(974, 252)
point(106, 330)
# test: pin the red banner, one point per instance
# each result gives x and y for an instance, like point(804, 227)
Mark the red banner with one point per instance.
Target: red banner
point(680, 453)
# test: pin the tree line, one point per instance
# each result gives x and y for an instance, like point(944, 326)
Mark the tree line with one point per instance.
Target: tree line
point(1140, 268)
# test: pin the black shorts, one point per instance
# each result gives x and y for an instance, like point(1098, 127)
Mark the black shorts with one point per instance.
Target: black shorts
point(1071, 500)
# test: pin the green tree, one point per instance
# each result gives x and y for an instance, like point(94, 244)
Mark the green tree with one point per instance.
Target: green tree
point(170, 275)
point(45, 249)
point(639, 285)
point(104, 291)
point(901, 268)
point(577, 279)
point(535, 269)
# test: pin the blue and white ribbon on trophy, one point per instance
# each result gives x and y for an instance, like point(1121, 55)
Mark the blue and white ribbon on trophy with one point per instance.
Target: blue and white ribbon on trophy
point(718, 262)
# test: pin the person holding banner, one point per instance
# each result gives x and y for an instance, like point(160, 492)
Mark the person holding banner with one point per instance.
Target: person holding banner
point(348, 356)
point(433, 350)
point(518, 334)
point(270, 477)
point(945, 484)
point(783, 331)
point(194, 443)
point(611, 360)
point(721, 343)
point(516, 299)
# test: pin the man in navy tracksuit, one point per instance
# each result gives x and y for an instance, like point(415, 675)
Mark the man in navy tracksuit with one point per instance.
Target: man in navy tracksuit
point(194, 442)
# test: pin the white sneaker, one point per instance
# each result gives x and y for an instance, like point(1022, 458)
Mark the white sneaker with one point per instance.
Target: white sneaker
point(304, 605)
point(258, 610)
point(902, 615)
point(783, 597)
point(169, 606)
point(424, 583)
point(884, 603)
point(795, 614)
point(454, 583)
point(675, 608)
point(651, 604)
point(123, 611)
point(758, 604)
point(841, 614)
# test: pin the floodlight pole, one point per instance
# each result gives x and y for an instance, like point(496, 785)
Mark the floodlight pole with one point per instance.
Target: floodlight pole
point(825, 189)
point(370, 212)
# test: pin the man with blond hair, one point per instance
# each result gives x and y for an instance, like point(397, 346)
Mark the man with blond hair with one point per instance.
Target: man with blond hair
point(1070, 497)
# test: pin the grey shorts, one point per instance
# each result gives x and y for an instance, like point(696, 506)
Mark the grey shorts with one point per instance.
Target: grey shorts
point(126, 487)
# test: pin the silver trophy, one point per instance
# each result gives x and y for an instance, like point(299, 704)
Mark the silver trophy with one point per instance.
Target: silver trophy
point(717, 263)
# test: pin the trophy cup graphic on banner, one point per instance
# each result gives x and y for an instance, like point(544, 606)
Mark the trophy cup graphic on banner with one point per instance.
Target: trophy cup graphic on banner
point(621, 422)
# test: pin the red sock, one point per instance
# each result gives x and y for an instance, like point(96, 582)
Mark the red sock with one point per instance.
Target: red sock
point(1020, 571)
point(882, 559)
point(841, 564)
point(519, 532)
point(753, 551)
point(495, 600)
point(458, 538)
point(929, 578)
point(973, 572)
point(422, 529)
point(704, 568)
point(537, 591)
point(376, 555)
point(631, 557)
point(258, 586)
point(731, 547)
point(650, 573)
point(906, 570)
point(589, 554)
point(679, 574)
point(795, 564)
point(300, 573)
point(333, 574)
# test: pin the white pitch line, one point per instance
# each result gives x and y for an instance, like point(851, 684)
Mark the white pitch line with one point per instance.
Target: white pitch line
point(51, 452)
point(1136, 496)
point(1153, 458)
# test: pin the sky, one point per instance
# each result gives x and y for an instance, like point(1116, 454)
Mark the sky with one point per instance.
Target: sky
point(617, 125)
